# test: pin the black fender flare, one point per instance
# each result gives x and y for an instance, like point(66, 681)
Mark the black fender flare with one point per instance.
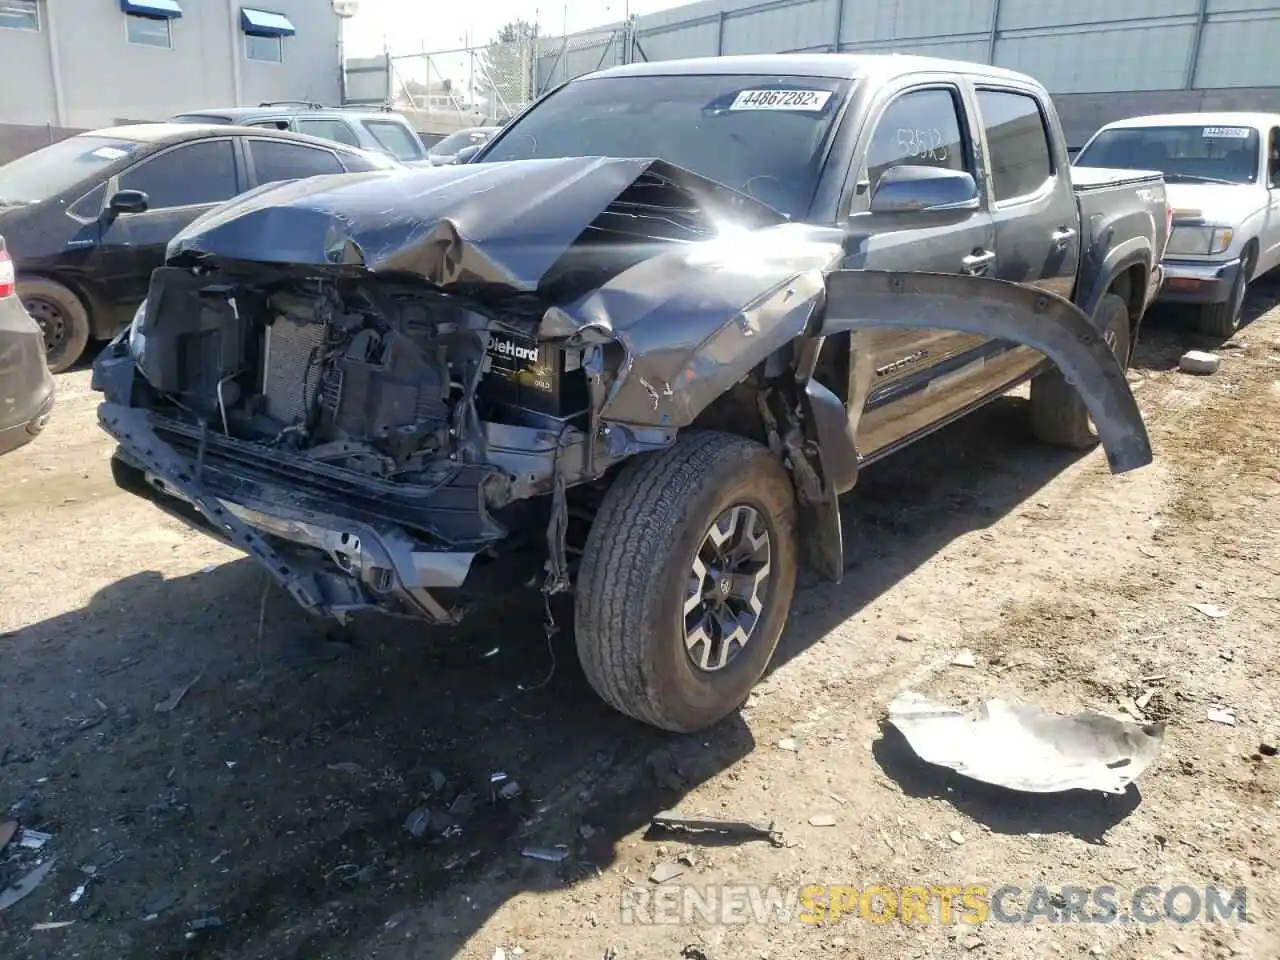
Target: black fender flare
point(1001, 310)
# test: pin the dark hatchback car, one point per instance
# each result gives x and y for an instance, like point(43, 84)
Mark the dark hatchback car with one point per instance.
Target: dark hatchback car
point(26, 386)
point(88, 218)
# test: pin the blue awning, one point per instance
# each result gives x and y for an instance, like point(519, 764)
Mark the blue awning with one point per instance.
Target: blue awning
point(166, 9)
point(262, 23)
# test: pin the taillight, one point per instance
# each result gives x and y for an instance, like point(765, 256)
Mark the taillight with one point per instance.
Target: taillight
point(7, 284)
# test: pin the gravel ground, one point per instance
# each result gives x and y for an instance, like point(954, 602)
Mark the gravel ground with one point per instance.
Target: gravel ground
point(264, 814)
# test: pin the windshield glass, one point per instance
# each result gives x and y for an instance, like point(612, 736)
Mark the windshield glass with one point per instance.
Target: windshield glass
point(758, 134)
point(60, 166)
point(1192, 154)
point(456, 141)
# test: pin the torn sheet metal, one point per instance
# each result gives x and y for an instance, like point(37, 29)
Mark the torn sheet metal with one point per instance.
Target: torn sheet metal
point(999, 310)
point(496, 227)
point(1019, 746)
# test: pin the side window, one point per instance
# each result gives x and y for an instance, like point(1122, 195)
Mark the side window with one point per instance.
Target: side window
point(1018, 143)
point(329, 130)
point(89, 207)
point(1273, 158)
point(921, 128)
point(270, 124)
point(396, 138)
point(197, 173)
point(275, 160)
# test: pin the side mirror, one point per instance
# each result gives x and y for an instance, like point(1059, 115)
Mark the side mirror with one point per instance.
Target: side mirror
point(466, 153)
point(918, 189)
point(127, 201)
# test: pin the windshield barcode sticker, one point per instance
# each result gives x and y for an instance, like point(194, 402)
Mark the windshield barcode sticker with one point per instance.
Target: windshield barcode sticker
point(1226, 133)
point(109, 153)
point(813, 100)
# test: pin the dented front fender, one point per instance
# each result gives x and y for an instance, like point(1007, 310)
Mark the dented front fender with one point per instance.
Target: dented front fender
point(999, 310)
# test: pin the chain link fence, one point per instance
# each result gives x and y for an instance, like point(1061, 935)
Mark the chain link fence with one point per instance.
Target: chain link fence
point(440, 91)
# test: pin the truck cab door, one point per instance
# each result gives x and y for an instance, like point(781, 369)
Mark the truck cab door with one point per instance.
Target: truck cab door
point(1033, 206)
point(180, 184)
point(917, 207)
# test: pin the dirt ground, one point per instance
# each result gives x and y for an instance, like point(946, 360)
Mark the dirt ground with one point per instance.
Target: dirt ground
point(264, 816)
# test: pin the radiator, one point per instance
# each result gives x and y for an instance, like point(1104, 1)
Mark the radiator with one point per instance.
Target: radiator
point(289, 380)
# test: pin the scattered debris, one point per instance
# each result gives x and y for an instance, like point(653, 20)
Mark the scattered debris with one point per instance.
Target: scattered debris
point(26, 885)
point(205, 923)
point(1210, 610)
point(510, 790)
point(499, 954)
point(78, 893)
point(586, 832)
point(56, 925)
point(464, 805)
point(346, 766)
point(159, 902)
point(674, 822)
point(957, 838)
point(176, 695)
point(907, 636)
point(490, 653)
point(418, 822)
point(1198, 361)
point(7, 830)
point(971, 942)
point(1224, 715)
point(33, 839)
point(550, 854)
point(1268, 749)
point(666, 871)
point(822, 820)
point(789, 744)
point(1020, 747)
point(691, 952)
point(1227, 655)
point(839, 799)
point(964, 658)
point(1144, 698)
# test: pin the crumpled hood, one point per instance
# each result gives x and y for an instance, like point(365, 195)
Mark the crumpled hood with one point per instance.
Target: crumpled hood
point(478, 225)
point(1218, 202)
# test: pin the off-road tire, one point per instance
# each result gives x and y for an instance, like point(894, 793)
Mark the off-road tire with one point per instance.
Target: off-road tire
point(1222, 320)
point(1058, 416)
point(630, 594)
point(41, 296)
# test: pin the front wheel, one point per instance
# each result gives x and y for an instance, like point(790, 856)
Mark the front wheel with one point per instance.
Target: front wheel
point(1058, 414)
point(62, 319)
point(687, 580)
point(1222, 320)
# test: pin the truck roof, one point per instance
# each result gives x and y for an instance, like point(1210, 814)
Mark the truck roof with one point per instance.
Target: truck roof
point(1216, 118)
point(840, 66)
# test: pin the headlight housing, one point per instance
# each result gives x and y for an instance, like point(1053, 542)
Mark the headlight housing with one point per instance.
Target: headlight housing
point(1199, 241)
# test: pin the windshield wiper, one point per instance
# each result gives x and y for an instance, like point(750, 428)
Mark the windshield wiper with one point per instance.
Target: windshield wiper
point(1196, 179)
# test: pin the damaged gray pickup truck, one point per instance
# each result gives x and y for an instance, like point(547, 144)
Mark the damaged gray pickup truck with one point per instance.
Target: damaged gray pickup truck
point(635, 349)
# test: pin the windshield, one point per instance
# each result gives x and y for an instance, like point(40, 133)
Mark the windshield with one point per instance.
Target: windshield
point(1191, 154)
point(456, 141)
point(758, 134)
point(60, 166)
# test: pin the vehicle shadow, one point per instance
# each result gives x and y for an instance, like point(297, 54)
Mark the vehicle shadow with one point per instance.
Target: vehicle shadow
point(275, 795)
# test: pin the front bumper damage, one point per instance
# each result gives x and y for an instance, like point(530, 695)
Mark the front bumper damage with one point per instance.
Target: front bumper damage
point(1198, 282)
point(627, 270)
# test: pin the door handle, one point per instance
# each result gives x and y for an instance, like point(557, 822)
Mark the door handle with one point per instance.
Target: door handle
point(978, 261)
point(1062, 238)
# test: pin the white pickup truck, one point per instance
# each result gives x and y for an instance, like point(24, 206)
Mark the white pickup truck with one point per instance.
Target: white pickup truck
point(1222, 172)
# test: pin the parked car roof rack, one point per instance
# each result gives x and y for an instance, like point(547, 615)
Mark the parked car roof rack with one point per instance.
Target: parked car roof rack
point(310, 104)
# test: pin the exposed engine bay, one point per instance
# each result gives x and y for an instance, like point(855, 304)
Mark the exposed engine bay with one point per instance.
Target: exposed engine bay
point(397, 391)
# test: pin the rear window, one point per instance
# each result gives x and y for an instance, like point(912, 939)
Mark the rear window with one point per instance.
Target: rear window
point(200, 118)
point(1200, 153)
point(397, 139)
point(328, 129)
point(50, 170)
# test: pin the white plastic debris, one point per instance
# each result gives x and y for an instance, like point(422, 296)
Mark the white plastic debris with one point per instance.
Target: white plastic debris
point(964, 658)
point(789, 744)
point(34, 839)
point(1223, 715)
point(1210, 610)
point(1198, 361)
point(1018, 746)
